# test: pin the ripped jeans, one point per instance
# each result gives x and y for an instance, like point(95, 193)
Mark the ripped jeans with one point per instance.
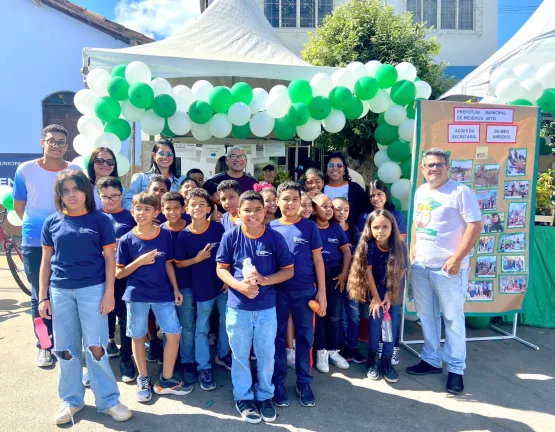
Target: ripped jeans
point(78, 323)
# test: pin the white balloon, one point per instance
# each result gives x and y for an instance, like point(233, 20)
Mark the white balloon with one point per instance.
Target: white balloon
point(260, 96)
point(509, 90)
point(180, 123)
point(401, 189)
point(137, 72)
point(405, 203)
point(254, 107)
point(380, 102)
point(524, 71)
point(423, 89)
point(343, 77)
point(532, 88)
point(381, 157)
point(97, 80)
point(310, 130)
point(389, 172)
point(123, 164)
point(395, 115)
point(151, 124)
point(109, 140)
point(406, 71)
point(406, 130)
point(183, 97)
point(371, 67)
point(277, 106)
point(492, 100)
point(261, 124)
point(201, 132)
point(220, 126)
point(239, 114)
point(321, 84)
point(80, 162)
point(83, 145)
point(90, 126)
point(130, 112)
point(85, 100)
point(499, 75)
point(365, 109)
point(335, 122)
point(161, 86)
point(382, 147)
point(14, 219)
point(201, 90)
point(358, 70)
point(546, 75)
point(278, 90)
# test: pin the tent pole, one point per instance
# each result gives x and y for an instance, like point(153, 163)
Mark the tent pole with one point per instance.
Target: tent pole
point(132, 152)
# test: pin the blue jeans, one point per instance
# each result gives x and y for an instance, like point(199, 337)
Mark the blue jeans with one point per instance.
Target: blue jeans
point(202, 348)
point(79, 323)
point(187, 319)
point(245, 329)
point(350, 320)
point(435, 293)
point(32, 257)
point(375, 327)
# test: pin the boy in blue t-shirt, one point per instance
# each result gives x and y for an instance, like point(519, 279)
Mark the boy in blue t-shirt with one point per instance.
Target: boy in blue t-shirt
point(251, 305)
point(110, 192)
point(158, 186)
point(229, 191)
point(305, 244)
point(145, 257)
point(195, 253)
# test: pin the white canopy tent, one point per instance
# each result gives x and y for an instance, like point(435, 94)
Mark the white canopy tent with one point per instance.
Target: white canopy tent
point(534, 43)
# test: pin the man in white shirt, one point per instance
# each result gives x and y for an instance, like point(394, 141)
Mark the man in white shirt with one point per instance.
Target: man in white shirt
point(448, 224)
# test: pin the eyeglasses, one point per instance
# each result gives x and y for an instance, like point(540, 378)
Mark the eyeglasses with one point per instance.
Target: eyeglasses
point(440, 165)
point(100, 161)
point(241, 157)
point(62, 143)
point(114, 198)
point(162, 154)
point(338, 165)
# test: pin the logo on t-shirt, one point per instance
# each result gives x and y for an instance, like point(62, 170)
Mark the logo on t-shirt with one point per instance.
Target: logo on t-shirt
point(214, 245)
point(86, 231)
point(263, 253)
point(160, 254)
point(299, 240)
point(122, 225)
point(424, 214)
point(333, 240)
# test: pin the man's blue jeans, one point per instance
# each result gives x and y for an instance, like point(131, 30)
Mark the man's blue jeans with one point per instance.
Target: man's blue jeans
point(202, 347)
point(435, 293)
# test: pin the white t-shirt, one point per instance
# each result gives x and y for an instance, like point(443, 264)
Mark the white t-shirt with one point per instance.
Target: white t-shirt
point(337, 191)
point(441, 216)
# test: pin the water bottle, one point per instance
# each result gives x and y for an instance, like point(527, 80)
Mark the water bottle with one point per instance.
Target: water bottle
point(248, 268)
point(387, 328)
point(42, 333)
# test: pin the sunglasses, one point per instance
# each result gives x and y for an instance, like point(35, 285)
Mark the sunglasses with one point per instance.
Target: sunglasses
point(162, 154)
point(100, 161)
point(338, 165)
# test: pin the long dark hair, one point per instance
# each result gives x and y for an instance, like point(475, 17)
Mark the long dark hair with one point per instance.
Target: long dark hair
point(338, 155)
point(396, 263)
point(94, 155)
point(381, 186)
point(83, 184)
point(154, 166)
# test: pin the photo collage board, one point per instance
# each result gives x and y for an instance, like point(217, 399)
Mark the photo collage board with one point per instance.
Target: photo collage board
point(493, 151)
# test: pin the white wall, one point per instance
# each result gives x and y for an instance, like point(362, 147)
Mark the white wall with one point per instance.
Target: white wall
point(41, 51)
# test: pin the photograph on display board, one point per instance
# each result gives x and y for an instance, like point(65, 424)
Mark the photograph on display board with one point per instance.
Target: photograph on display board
point(515, 189)
point(461, 170)
point(493, 222)
point(512, 284)
point(486, 245)
point(487, 199)
point(487, 175)
point(517, 215)
point(513, 264)
point(486, 266)
point(516, 162)
point(479, 290)
point(512, 243)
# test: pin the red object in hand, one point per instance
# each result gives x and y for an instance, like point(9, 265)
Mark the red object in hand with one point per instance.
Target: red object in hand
point(42, 333)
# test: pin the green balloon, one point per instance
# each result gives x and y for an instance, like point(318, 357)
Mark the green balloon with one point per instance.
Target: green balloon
point(521, 102)
point(406, 168)
point(300, 91)
point(411, 111)
point(242, 92)
point(200, 112)
point(298, 114)
point(120, 128)
point(7, 200)
point(283, 129)
point(164, 106)
point(118, 88)
point(366, 88)
point(107, 109)
point(417, 79)
point(543, 141)
point(141, 95)
point(403, 92)
point(386, 76)
point(398, 151)
point(167, 132)
point(320, 107)
point(545, 149)
point(354, 110)
point(340, 97)
point(396, 203)
point(220, 99)
point(381, 119)
point(385, 134)
point(241, 132)
point(119, 70)
point(547, 100)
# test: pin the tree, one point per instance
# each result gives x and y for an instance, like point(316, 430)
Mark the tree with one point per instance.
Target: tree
point(364, 30)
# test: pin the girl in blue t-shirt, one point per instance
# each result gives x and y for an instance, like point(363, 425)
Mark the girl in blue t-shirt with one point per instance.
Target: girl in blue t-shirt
point(377, 272)
point(77, 289)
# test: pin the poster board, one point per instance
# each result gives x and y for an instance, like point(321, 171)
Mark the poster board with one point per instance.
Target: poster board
point(494, 150)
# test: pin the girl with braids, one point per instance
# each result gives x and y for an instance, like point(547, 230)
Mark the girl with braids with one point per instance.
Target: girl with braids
point(376, 275)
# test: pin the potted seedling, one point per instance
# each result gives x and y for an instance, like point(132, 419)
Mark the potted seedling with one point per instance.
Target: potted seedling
point(544, 199)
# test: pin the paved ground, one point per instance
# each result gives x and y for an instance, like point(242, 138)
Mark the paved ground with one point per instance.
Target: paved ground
point(509, 387)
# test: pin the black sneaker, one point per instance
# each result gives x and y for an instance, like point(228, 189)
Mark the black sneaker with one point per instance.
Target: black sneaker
point(454, 383)
point(356, 356)
point(155, 353)
point(389, 374)
point(372, 370)
point(189, 373)
point(424, 368)
point(280, 395)
point(224, 361)
point(112, 349)
point(306, 397)
point(127, 371)
point(267, 410)
point(248, 410)
point(206, 379)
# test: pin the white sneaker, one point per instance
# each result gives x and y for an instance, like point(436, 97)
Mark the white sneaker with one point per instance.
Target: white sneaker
point(290, 358)
point(44, 358)
point(65, 415)
point(395, 356)
point(322, 359)
point(86, 379)
point(338, 360)
point(119, 412)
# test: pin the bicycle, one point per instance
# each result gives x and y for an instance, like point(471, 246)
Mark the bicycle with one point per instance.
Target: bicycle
point(14, 258)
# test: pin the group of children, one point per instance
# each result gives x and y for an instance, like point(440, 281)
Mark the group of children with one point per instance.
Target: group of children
point(271, 254)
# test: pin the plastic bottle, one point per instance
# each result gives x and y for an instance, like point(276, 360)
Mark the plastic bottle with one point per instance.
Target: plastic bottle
point(387, 328)
point(248, 268)
point(42, 334)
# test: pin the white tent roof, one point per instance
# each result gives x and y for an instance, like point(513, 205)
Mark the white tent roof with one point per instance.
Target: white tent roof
point(231, 39)
point(534, 43)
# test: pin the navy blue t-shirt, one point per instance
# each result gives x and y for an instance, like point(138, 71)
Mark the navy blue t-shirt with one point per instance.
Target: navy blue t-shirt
point(399, 218)
point(149, 283)
point(183, 275)
point(206, 283)
point(333, 240)
point(78, 242)
point(122, 221)
point(303, 239)
point(353, 235)
point(229, 221)
point(377, 258)
point(268, 252)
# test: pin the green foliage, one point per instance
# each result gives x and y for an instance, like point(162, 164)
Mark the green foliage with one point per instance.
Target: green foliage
point(548, 130)
point(364, 30)
point(544, 190)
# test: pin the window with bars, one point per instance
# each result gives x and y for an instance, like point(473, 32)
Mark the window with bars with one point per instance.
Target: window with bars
point(444, 14)
point(297, 13)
